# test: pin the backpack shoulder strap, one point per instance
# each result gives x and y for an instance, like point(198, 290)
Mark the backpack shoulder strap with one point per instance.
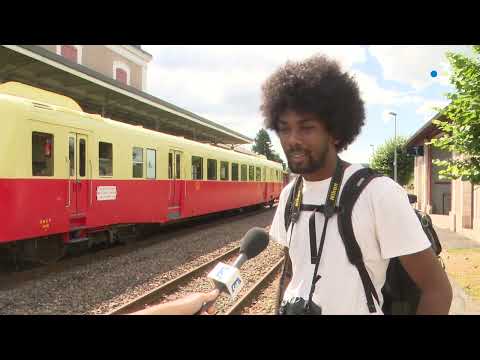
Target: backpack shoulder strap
point(289, 207)
point(350, 193)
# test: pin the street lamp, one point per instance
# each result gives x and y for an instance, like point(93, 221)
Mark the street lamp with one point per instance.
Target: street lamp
point(395, 144)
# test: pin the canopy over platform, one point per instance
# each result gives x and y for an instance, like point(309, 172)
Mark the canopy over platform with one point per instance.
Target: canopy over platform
point(97, 93)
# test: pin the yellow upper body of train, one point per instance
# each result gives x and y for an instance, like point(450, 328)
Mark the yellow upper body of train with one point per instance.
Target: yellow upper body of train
point(28, 113)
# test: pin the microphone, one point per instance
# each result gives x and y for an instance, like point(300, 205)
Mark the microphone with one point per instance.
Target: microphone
point(227, 278)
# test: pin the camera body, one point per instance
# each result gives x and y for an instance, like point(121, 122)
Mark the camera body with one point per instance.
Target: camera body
point(299, 306)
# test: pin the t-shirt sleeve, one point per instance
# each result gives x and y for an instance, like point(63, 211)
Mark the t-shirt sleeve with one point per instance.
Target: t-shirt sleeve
point(397, 227)
point(277, 229)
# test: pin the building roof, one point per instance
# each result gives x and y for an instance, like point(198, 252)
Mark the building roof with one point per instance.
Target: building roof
point(427, 131)
point(97, 93)
point(139, 47)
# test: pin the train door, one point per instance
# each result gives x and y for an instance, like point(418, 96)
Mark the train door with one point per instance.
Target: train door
point(79, 174)
point(265, 184)
point(174, 175)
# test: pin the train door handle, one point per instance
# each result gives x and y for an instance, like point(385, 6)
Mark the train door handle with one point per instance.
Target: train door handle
point(69, 181)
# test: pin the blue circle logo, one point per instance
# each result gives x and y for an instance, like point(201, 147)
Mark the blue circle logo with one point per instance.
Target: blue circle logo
point(433, 73)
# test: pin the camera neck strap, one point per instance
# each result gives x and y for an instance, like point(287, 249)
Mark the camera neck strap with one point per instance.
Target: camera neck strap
point(328, 210)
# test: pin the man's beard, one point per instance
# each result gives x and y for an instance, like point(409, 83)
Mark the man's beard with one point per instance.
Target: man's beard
point(310, 164)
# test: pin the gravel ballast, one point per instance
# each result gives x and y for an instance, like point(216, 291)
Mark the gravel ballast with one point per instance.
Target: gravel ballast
point(100, 287)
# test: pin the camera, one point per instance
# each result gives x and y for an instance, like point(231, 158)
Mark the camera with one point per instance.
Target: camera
point(298, 306)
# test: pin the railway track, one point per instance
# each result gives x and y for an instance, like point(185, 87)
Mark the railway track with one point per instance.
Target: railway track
point(263, 281)
point(153, 297)
point(10, 278)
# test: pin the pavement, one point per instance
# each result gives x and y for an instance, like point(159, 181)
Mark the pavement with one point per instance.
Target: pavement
point(462, 304)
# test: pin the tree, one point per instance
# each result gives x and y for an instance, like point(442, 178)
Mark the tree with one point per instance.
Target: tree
point(461, 121)
point(382, 160)
point(263, 146)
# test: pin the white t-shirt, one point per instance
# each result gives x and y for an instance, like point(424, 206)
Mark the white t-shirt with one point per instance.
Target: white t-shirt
point(385, 226)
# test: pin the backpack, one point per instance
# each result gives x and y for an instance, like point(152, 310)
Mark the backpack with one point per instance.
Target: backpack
point(401, 295)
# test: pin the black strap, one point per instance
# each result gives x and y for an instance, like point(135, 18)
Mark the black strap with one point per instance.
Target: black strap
point(328, 211)
point(351, 191)
point(292, 211)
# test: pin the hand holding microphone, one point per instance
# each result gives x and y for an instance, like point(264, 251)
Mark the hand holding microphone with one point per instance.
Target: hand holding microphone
point(227, 277)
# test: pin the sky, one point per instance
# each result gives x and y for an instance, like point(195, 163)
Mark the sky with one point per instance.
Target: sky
point(222, 83)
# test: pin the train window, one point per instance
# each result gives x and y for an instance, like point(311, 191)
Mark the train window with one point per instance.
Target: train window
point(211, 169)
point(234, 172)
point(177, 166)
point(277, 178)
point(82, 152)
point(223, 170)
point(71, 154)
point(42, 154)
point(264, 172)
point(137, 160)
point(170, 165)
point(105, 159)
point(244, 173)
point(251, 173)
point(258, 174)
point(151, 164)
point(197, 168)
point(271, 175)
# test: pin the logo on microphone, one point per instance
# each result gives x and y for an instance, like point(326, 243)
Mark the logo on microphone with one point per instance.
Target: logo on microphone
point(237, 282)
point(227, 276)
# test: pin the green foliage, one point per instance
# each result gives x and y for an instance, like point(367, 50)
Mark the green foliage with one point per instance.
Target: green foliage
point(382, 160)
point(461, 124)
point(263, 145)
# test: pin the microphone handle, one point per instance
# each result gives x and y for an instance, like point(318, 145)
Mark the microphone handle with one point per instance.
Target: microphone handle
point(238, 263)
point(240, 260)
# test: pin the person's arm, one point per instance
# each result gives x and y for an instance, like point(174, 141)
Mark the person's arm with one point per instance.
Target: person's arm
point(427, 273)
point(188, 305)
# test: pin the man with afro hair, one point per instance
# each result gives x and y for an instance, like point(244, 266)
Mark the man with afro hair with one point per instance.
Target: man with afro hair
point(316, 110)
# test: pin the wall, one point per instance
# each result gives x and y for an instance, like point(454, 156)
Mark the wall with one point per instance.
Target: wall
point(101, 59)
point(441, 188)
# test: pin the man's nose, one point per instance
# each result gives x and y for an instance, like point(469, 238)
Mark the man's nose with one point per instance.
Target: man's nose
point(293, 138)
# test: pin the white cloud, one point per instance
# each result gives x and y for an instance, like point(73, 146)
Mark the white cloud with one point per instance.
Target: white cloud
point(413, 64)
point(206, 76)
point(373, 94)
point(426, 109)
point(223, 83)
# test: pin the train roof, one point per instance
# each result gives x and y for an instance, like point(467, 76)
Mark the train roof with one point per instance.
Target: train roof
point(46, 99)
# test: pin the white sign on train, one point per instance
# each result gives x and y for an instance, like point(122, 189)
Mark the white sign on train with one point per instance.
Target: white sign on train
point(106, 193)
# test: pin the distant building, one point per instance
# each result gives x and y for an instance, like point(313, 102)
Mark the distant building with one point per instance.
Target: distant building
point(124, 63)
point(452, 204)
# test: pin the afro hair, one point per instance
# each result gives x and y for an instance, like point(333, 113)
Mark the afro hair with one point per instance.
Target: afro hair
point(316, 86)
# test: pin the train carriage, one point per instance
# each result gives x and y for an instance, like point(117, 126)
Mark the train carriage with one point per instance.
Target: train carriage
point(67, 176)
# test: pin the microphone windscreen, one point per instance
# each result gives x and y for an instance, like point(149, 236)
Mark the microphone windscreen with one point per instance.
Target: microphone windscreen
point(254, 242)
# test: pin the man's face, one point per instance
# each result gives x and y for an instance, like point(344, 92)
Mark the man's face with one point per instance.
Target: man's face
point(305, 141)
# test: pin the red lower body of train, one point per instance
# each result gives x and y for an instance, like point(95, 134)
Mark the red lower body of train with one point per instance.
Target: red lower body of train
point(71, 210)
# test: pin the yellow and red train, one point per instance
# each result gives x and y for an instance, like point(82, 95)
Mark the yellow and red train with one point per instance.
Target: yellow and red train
point(68, 176)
